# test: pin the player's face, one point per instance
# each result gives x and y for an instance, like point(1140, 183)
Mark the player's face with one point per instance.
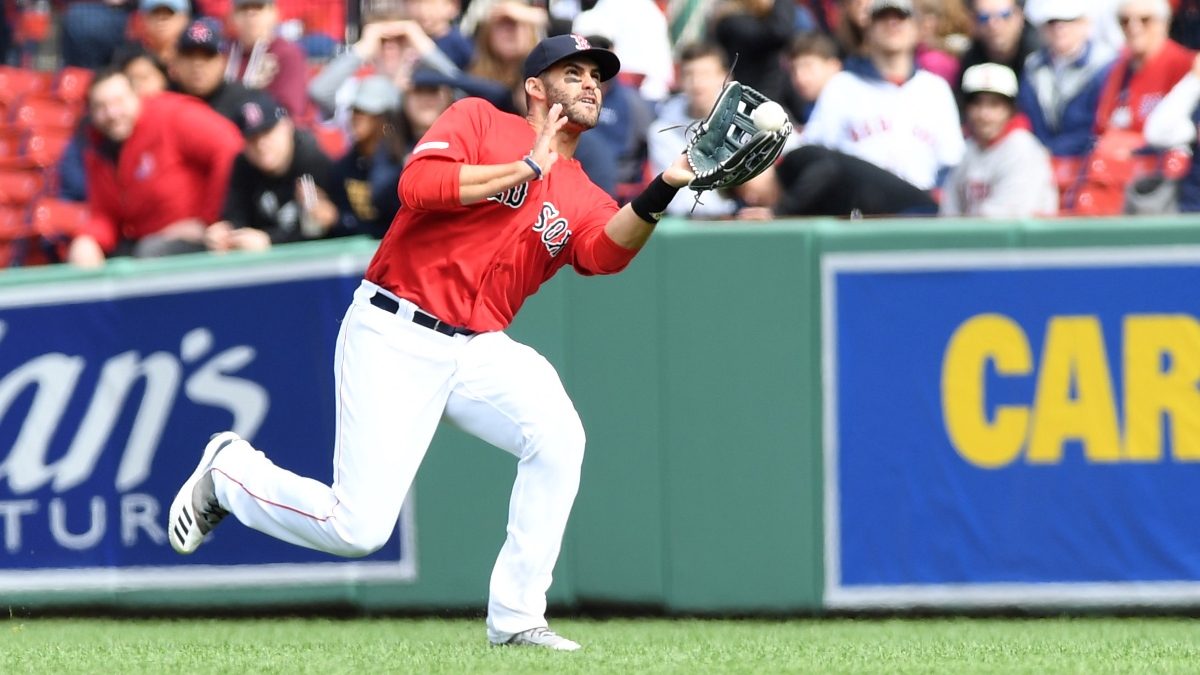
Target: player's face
point(1145, 31)
point(575, 83)
point(198, 71)
point(114, 108)
point(1064, 38)
point(893, 32)
point(271, 151)
point(987, 115)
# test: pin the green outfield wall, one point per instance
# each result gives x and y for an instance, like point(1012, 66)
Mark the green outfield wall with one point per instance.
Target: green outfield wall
point(698, 375)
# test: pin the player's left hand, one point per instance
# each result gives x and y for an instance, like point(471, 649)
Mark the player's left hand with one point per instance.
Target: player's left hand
point(541, 152)
point(679, 174)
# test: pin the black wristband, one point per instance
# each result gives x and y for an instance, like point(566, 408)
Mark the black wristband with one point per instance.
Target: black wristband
point(650, 205)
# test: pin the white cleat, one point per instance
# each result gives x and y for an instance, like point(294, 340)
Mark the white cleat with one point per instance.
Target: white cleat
point(195, 511)
point(540, 637)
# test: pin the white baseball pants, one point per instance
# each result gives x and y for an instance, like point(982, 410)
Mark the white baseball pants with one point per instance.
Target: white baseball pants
point(395, 381)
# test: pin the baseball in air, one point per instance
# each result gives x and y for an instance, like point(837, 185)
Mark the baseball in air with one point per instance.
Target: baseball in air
point(769, 116)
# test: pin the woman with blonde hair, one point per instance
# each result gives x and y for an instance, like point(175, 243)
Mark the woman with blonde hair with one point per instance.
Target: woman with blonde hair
point(944, 26)
point(505, 38)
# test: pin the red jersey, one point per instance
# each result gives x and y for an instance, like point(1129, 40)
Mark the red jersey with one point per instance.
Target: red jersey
point(174, 166)
point(1128, 99)
point(474, 266)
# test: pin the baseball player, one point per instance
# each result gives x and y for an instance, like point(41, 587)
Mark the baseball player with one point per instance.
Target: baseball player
point(494, 205)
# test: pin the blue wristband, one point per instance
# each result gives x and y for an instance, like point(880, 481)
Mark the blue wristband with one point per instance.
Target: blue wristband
point(534, 165)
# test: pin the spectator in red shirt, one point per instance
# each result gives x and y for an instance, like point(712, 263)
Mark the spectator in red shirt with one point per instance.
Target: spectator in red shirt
point(1147, 68)
point(260, 59)
point(157, 172)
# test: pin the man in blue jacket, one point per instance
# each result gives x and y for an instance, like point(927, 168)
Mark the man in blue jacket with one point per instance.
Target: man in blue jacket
point(1061, 84)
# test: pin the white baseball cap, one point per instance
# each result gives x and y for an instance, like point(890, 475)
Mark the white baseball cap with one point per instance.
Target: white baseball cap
point(1061, 10)
point(905, 7)
point(990, 77)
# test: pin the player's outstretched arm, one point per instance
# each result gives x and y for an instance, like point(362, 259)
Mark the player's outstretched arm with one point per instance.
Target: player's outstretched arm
point(478, 182)
point(632, 225)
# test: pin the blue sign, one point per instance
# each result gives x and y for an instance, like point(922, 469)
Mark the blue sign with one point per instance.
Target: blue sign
point(109, 391)
point(1012, 427)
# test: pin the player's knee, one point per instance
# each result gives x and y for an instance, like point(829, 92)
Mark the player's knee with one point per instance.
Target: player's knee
point(561, 441)
point(363, 541)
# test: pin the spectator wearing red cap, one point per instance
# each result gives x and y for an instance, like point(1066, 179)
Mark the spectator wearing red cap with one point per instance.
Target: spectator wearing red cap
point(260, 59)
point(157, 171)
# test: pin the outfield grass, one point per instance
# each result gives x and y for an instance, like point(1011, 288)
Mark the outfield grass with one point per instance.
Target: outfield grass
point(294, 646)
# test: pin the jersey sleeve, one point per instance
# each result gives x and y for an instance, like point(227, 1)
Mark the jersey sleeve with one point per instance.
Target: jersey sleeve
point(430, 180)
point(591, 251)
point(457, 135)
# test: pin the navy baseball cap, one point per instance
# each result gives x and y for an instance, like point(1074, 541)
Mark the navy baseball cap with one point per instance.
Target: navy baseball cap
point(259, 114)
point(205, 34)
point(554, 49)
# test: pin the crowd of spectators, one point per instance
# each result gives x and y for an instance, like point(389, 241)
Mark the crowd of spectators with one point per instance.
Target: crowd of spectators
point(168, 126)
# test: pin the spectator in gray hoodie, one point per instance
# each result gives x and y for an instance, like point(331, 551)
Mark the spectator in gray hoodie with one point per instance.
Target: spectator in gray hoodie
point(1005, 172)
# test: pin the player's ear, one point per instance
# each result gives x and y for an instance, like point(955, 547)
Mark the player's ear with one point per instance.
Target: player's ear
point(535, 88)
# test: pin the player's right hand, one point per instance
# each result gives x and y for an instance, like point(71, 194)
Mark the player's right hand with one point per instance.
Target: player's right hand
point(542, 152)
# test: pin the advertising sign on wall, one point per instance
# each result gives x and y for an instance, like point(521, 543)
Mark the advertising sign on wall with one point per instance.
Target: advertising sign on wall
point(109, 390)
point(1012, 427)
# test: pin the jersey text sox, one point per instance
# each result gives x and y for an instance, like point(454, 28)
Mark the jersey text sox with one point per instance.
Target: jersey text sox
point(553, 228)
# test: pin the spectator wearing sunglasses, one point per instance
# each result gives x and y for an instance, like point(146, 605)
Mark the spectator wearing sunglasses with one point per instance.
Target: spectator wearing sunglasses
point(1001, 36)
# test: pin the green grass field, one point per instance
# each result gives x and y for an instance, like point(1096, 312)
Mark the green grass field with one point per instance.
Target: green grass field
point(294, 646)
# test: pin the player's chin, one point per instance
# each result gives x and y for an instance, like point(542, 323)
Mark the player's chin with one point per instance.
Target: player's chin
point(585, 119)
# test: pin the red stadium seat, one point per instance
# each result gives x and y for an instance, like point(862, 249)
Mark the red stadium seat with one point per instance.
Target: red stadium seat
point(12, 141)
point(19, 187)
point(17, 82)
point(46, 112)
point(71, 83)
point(13, 225)
point(45, 146)
point(54, 218)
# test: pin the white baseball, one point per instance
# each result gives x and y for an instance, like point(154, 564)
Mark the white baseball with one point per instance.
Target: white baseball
point(769, 116)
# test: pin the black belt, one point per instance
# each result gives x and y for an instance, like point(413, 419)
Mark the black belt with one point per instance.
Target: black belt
point(420, 318)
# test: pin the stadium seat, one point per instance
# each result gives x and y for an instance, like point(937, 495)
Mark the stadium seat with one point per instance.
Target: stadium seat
point(12, 141)
point(19, 187)
point(71, 83)
point(13, 224)
point(45, 146)
point(56, 218)
point(45, 112)
point(18, 82)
